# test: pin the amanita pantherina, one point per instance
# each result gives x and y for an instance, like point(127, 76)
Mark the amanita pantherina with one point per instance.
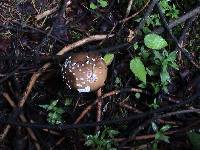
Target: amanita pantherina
point(84, 72)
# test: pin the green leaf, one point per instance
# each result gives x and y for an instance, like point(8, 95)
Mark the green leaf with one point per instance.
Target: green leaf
point(93, 6)
point(118, 82)
point(165, 88)
point(154, 41)
point(138, 20)
point(150, 72)
point(172, 56)
point(164, 5)
point(155, 146)
point(155, 104)
point(146, 30)
point(44, 106)
point(137, 67)
point(103, 3)
point(157, 55)
point(135, 46)
point(164, 76)
point(137, 95)
point(103, 134)
point(144, 53)
point(142, 85)
point(112, 133)
point(161, 137)
point(88, 142)
point(156, 87)
point(68, 101)
point(154, 126)
point(52, 105)
point(58, 110)
point(172, 60)
point(165, 128)
point(174, 65)
point(108, 58)
point(194, 139)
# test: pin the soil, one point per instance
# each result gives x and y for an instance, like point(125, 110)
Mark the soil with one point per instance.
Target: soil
point(36, 36)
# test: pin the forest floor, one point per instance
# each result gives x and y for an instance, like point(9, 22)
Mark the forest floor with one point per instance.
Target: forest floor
point(150, 99)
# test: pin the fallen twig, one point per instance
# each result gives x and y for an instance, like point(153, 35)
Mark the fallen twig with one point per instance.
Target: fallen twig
point(183, 50)
point(129, 8)
point(146, 15)
point(99, 109)
point(82, 42)
point(46, 13)
point(135, 14)
point(23, 119)
point(115, 92)
point(128, 107)
point(180, 20)
point(10, 74)
point(184, 35)
point(151, 113)
point(5, 132)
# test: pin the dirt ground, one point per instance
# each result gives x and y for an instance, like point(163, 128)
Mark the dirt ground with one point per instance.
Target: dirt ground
point(149, 100)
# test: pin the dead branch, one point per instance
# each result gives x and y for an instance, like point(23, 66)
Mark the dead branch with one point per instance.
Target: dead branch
point(23, 119)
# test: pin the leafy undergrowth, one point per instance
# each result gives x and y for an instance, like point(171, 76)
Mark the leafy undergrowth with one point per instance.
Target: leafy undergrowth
point(151, 94)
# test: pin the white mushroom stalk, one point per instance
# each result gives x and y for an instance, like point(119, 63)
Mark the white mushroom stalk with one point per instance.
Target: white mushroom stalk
point(84, 72)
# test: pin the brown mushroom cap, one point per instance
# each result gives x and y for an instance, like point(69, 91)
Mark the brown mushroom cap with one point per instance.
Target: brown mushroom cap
point(84, 72)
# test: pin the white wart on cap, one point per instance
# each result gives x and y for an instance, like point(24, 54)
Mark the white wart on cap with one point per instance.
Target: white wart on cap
point(84, 72)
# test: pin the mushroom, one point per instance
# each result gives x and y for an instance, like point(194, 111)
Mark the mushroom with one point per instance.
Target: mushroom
point(84, 72)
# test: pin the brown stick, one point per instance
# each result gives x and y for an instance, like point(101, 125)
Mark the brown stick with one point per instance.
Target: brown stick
point(99, 109)
point(5, 132)
point(115, 92)
point(84, 41)
point(23, 119)
point(31, 83)
point(135, 14)
point(129, 8)
point(58, 143)
point(145, 137)
point(84, 112)
point(129, 107)
point(49, 12)
point(46, 13)
point(150, 136)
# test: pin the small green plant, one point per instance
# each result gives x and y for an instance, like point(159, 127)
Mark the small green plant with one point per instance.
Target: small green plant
point(155, 104)
point(160, 134)
point(153, 20)
point(138, 68)
point(165, 60)
point(118, 82)
point(169, 9)
point(54, 112)
point(102, 140)
point(160, 61)
point(100, 3)
point(76, 35)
